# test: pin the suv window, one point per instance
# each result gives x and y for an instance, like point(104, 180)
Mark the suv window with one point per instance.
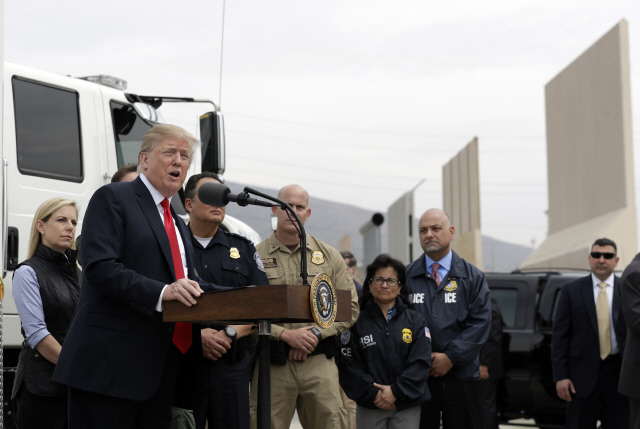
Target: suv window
point(48, 136)
point(549, 300)
point(507, 300)
point(129, 129)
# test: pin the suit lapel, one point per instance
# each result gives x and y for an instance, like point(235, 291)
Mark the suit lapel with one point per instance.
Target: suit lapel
point(150, 211)
point(586, 289)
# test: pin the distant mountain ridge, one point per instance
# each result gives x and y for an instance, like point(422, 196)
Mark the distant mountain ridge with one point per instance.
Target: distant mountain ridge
point(500, 256)
point(331, 221)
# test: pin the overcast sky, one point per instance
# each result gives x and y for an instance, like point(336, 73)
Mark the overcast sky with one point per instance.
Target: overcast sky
point(355, 100)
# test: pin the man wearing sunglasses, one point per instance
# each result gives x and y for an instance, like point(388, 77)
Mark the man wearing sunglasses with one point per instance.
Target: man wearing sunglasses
point(587, 345)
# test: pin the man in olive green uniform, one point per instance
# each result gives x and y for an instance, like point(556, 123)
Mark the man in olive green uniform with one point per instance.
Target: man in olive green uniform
point(308, 377)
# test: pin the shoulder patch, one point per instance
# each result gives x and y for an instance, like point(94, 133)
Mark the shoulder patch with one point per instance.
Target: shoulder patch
point(427, 333)
point(256, 256)
point(345, 337)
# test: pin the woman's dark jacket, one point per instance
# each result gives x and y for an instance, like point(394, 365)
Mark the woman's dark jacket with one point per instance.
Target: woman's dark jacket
point(397, 354)
point(59, 290)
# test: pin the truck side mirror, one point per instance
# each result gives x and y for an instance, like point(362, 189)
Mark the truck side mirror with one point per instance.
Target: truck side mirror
point(213, 142)
point(124, 118)
point(148, 112)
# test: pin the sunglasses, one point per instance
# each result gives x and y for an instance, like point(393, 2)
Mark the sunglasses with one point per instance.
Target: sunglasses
point(607, 255)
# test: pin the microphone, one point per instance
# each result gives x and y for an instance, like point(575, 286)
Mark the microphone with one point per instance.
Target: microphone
point(214, 194)
point(219, 195)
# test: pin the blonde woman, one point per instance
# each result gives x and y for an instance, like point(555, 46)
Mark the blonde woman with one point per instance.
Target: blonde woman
point(46, 291)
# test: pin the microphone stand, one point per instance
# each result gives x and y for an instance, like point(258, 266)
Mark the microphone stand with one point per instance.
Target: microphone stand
point(301, 232)
point(264, 326)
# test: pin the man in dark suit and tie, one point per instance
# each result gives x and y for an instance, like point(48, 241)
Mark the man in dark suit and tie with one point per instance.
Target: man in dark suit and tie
point(588, 342)
point(120, 361)
point(630, 372)
point(491, 368)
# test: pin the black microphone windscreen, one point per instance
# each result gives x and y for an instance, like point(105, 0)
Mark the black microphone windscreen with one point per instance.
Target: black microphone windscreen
point(214, 194)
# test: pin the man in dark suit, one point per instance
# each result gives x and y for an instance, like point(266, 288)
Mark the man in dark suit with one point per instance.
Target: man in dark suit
point(491, 370)
point(588, 342)
point(120, 361)
point(630, 372)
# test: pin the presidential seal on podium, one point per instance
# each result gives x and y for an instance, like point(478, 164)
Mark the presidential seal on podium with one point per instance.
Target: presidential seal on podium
point(323, 300)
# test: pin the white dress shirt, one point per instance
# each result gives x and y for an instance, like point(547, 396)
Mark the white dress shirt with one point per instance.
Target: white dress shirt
point(157, 199)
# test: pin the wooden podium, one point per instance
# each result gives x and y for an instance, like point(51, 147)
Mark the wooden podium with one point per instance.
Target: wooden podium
point(262, 305)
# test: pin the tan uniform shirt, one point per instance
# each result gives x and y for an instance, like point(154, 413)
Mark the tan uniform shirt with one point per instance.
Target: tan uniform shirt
point(283, 267)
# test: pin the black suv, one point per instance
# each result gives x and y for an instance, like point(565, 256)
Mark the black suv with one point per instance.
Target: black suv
point(528, 302)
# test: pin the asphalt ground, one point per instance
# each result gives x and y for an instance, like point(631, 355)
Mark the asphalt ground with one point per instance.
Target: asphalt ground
point(295, 424)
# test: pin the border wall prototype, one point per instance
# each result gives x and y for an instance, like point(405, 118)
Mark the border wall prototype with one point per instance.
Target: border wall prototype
point(461, 194)
point(400, 227)
point(590, 156)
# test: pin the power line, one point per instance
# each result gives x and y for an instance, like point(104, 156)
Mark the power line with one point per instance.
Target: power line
point(513, 194)
point(498, 225)
point(224, 3)
point(378, 175)
point(326, 182)
point(393, 133)
point(394, 147)
point(370, 131)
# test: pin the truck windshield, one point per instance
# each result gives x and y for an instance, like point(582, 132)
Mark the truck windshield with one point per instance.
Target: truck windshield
point(129, 129)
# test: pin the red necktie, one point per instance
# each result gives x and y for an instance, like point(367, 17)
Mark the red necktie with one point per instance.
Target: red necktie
point(434, 271)
point(182, 330)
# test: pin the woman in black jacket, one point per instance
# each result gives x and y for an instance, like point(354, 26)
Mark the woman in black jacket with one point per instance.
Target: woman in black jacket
point(387, 352)
point(46, 291)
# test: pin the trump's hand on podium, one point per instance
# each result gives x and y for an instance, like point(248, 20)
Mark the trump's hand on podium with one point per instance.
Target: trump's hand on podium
point(214, 343)
point(184, 290)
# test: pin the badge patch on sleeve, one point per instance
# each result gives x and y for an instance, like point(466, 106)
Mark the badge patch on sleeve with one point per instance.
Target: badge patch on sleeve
point(317, 257)
point(406, 336)
point(345, 337)
point(258, 261)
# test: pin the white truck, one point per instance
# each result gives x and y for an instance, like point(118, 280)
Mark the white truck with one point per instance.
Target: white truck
point(65, 136)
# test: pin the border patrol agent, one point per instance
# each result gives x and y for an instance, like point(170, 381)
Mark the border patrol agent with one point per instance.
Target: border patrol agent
point(303, 371)
point(231, 260)
point(453, 297)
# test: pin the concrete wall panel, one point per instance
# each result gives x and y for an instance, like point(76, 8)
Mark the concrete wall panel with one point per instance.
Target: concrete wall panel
point(461, 190)
point(400, 215)
point(590, 154)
